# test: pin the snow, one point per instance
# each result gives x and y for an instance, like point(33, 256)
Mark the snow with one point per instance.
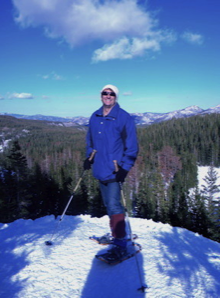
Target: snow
point(174, 262)
point(203, 171)
point(4, 144)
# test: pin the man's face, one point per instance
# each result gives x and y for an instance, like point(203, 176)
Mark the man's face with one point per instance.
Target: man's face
point(108, 98)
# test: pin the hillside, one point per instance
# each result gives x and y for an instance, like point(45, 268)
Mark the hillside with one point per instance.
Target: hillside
point(173, 263)
point(48, 161)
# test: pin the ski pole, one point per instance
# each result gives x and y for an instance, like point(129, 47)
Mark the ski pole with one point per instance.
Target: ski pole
point(49, 242)
point(142, 288)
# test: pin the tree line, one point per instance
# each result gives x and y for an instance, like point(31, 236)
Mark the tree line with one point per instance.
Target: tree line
point(42, 164)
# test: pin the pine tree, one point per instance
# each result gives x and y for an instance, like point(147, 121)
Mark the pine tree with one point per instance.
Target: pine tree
point(160, 197)
point(145, 203)
point(18, 176)
point(210, 188)
point(3, 190)
point(211, 193)
point(200, 222)
point(37, 181)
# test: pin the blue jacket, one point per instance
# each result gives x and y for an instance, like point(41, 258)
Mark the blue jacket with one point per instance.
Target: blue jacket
point(114, 137)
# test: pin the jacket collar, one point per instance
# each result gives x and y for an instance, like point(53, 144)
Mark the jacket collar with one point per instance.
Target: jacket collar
point(113, 113)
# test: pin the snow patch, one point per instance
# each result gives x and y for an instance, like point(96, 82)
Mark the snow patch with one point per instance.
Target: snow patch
point(202, 172)
point(174, 262)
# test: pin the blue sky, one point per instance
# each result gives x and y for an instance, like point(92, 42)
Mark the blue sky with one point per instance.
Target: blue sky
point(55, 56)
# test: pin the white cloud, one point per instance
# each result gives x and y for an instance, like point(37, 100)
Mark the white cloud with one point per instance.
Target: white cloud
point(193, 38)
point(79, 20)
point(116, 23)
point(128, 93)
point(126, 48)
point(53, 76)
point(57, 77)
point(1, 97)
point(21, 96)
point(120, 49)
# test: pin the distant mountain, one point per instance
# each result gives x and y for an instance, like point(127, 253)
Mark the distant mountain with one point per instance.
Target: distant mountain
point(212, 110)
point(150, 118)
point(66, 121)
point(140, 118)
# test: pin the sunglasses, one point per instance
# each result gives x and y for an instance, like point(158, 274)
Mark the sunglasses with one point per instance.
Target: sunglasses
point(108, 93)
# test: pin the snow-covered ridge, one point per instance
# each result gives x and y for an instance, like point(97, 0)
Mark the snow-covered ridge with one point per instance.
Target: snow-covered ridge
point(174, 262)
point(140, 118)
point(150, 118)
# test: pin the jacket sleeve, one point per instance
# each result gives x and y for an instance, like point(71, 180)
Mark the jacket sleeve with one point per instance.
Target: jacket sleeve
point(129, 136)
point(89, 142)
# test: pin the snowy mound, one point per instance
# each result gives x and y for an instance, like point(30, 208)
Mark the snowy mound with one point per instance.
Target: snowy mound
point(173, 263)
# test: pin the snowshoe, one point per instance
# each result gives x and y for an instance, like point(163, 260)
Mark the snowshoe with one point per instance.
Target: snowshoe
point(107, 239)
point(118, 254)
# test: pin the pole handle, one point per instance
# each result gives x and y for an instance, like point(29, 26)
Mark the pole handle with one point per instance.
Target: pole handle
point(92, 155)
point(116, 165)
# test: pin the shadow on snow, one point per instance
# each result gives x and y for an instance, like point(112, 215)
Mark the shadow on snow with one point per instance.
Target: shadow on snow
point(24, 235)
point(121, 280)
point(191, 259)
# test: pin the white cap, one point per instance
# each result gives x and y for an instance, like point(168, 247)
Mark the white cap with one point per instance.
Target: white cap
point(112, 87)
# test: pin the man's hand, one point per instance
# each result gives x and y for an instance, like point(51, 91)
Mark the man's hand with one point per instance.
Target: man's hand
point(87, 164)
point(121, 175)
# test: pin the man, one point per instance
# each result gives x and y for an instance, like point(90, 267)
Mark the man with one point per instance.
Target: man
point(112, 134)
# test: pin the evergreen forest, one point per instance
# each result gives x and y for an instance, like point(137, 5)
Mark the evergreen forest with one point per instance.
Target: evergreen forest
point(41, 163)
